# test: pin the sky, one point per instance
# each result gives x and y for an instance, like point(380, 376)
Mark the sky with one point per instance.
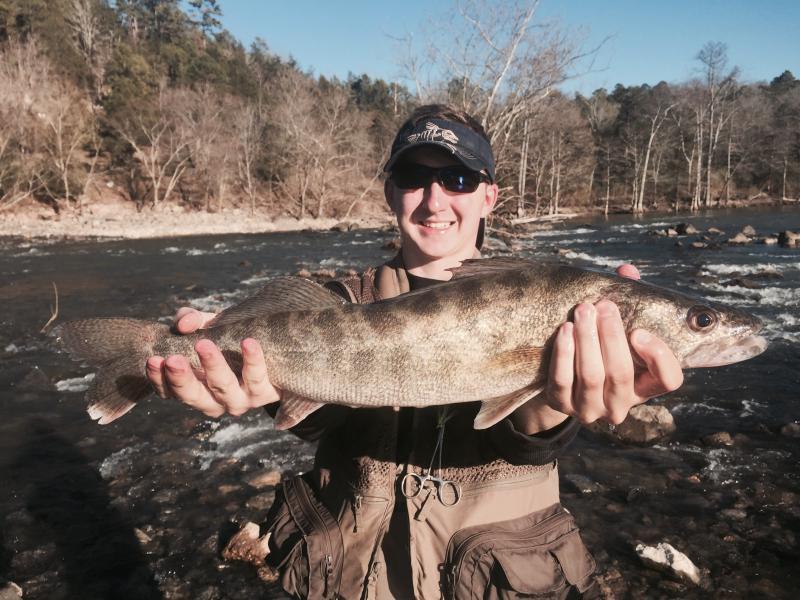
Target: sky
point(646, 41)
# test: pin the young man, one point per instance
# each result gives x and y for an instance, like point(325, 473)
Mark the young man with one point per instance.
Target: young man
point(382, 527)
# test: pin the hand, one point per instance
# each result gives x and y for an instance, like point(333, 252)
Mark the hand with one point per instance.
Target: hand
point(214, 390)
point(592, 374)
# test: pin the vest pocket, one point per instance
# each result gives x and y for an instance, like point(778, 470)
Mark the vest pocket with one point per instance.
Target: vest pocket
point(540, 555)
point(306, 543)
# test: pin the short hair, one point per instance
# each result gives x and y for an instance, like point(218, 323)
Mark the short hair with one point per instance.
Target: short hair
point(446, 112)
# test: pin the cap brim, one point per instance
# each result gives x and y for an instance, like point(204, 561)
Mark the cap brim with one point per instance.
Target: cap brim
point(469, 161)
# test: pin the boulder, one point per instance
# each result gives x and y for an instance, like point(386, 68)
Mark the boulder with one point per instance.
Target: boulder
point(720, 438)
point(769, 240)
point(748, 230)
point(671, 232)
point(789, 239)
point(715, 231)
point(263, 479)
point(10, 591)
point(743, 282)
point(699, 245)
point(685, 229)
point(644, 424)
point(791, 430)
point(665, 557)
point(247, 545)
point(739, 238)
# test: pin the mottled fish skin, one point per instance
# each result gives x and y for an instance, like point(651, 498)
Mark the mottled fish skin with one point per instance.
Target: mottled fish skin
point(481, 336)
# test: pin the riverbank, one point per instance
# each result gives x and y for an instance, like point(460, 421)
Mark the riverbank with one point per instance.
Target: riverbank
point(123, 221)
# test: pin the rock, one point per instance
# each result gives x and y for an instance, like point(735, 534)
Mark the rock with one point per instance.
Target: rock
point(789, 239)
point(582, 484)
point(791, 430)
point(10, 591)
point(743, 282)
point(247, 546)
point(658, 232)
point(715, 231)
point(721, 438)
point(303, 273)
point(739, 238)
point(263, 479)
point(748, 230)
point(562, 251)
point(344, 226)
point(769, 241)
point(699, 245)
point(735, 514)
point(142, 536)
point(324, 274)
point(261, 501)
point(645, 424)
point(671, 232)
point(685, 229)
point(665, 557)
point(393, 244)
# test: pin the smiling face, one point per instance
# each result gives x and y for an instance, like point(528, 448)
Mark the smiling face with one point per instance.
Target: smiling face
point(438, 228)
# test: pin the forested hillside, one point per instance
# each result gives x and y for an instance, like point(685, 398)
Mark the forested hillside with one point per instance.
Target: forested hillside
point(152, 102)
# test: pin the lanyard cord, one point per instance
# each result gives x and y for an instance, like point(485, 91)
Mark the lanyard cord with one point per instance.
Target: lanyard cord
point(438, 448)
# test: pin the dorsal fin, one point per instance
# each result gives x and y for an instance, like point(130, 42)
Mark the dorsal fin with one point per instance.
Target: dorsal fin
point(279, 295)
point(484, 266)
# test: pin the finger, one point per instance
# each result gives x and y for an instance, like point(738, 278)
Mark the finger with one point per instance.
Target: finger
point(562, 371)
point(255, 382)
point(191, 320)
point(628, 270)
point(664, 373)
point(220, 379)
point(618, 392)
point(589, 369)
point(153, 369)
point(187, 388)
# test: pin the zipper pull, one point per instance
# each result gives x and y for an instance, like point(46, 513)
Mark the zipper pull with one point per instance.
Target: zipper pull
point(357, 500)
point(328, 571)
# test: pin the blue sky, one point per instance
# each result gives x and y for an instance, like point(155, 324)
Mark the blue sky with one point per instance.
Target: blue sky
point(649, 40)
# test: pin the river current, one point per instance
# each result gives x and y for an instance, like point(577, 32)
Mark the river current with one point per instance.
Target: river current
point(137, 509)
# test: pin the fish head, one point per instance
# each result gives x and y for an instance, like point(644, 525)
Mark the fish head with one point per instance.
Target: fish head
point(700, 333)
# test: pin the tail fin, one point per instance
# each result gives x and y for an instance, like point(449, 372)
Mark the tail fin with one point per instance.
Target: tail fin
point(119, 348)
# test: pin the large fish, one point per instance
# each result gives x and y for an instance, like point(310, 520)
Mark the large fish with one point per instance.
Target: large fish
point(484, 335)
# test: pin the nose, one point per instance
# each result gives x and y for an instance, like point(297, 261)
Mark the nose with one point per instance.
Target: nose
point(434, 197)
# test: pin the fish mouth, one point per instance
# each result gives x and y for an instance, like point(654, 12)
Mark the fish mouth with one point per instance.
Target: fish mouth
point(716, 355)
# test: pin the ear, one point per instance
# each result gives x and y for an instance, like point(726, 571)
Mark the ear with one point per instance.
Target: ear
point(489, 199)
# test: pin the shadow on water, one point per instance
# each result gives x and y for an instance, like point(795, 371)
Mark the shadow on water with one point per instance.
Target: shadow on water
point(97, 545)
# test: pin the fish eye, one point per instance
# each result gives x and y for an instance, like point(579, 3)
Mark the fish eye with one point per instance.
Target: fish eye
point(701, 318)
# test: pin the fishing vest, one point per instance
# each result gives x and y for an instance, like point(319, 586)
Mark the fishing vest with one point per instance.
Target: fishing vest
point(347, 530)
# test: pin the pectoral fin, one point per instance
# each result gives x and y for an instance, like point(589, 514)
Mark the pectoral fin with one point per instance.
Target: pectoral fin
point(495, 409)
point(294, 409)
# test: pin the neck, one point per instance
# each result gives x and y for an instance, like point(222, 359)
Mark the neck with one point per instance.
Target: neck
point(436, 268)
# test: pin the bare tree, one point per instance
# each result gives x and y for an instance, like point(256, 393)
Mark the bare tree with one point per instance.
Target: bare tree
point(160, 144)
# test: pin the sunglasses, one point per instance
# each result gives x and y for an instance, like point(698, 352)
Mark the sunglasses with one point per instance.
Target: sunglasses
point(455, 179)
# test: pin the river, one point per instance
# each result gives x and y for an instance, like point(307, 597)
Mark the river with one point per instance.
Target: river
point(136, 509)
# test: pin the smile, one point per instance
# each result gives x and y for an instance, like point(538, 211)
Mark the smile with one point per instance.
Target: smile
point(437, 224)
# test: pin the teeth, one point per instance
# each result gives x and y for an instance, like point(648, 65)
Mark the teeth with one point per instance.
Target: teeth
point(437, 225)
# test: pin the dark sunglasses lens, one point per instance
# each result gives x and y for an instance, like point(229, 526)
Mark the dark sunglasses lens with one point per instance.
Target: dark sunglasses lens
point(459, 180)
point(412, 177)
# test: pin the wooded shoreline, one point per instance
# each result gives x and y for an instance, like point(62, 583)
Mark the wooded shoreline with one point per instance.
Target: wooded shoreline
point(119, 220)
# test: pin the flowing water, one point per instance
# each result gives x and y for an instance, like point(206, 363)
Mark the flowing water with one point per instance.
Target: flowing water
point(137, 509)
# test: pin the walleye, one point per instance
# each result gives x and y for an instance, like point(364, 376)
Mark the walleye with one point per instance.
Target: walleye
point(485, 335)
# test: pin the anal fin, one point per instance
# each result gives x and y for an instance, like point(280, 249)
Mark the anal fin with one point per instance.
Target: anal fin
point(494, 410)
point(294, 409)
